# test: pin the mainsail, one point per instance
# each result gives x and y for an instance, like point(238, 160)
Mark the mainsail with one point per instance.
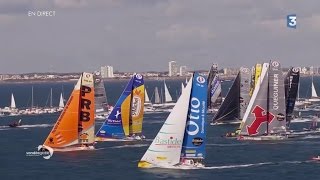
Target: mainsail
point(291, 91)
point(100, 95)
point(137, 105)
point(76, 122)
point(195, 134)
point(214, 85)
point(245, 77)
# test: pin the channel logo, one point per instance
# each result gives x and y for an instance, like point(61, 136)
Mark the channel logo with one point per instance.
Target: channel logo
point(292, 21)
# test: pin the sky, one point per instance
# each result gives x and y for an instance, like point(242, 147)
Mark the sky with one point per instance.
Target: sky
point(144, 35)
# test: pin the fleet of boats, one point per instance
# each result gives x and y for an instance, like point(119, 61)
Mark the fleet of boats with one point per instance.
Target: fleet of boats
point(261, 100)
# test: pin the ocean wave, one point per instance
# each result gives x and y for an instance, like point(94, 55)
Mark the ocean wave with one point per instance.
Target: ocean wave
point(130, 146)
point(35, 125)
point(237, 166)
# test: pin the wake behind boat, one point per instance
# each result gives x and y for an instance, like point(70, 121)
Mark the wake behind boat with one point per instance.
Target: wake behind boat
point(74, 129)
point(180, 143)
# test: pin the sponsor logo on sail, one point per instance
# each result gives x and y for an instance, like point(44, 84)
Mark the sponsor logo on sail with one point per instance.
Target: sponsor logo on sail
point(275, 64)
point(136, 106)
point(170, 142)
point(201, 79)
point(280, 117)
point(85, 104)
point(197, 141)
point(295, 70)
point(138, 76)
point(260, 116)
point(275, 93)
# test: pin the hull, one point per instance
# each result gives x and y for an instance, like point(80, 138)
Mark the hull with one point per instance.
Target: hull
point(316, 158)
point(137, 138)
point(263, 138)
point(224, 123)
point(70, 148)
point(147, 165)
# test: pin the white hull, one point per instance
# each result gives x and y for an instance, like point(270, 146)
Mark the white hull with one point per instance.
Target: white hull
point(224, 123)
point(263, 138)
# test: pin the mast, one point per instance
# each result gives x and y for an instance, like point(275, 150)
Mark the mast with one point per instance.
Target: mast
point(32, 97)
point(51, 97)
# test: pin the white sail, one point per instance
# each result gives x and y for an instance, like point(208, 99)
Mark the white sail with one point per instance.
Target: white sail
point(182, 87)
point(313, 91)
point(61, 103)
point(146, 100)
point(166, 147)
point(13, 102)
point(156, 96)
point(167, 95)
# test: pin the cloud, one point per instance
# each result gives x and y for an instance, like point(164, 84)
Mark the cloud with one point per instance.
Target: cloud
point(70, 3)
point(179, 32)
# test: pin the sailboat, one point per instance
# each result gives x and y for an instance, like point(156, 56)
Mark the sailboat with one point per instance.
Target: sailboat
point(214, 89)
point(61, 103)
point(265, 117)
point(148, 107)
point(233, 107)
point(74, 129)
point(314, 96)
point(101, 106)
point(125, 121)
point(181, 141)
point(167, 103)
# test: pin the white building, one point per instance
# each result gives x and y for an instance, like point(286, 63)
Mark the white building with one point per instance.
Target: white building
point(106, 72)
point(183, 70)
point(173, 68)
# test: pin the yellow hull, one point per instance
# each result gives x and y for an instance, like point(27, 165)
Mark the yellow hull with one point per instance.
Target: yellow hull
point(144, 164)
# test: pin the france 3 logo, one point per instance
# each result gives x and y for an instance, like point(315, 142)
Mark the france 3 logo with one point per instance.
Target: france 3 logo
point(292, 21)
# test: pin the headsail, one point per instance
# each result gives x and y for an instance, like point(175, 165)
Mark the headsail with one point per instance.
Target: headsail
point(195, 133)
point(254, 121)
point(165, 149)
point(229, 109)
point(245, 77)
point(117, 123)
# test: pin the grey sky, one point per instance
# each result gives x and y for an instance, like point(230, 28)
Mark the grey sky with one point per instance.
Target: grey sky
point(141, 35)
